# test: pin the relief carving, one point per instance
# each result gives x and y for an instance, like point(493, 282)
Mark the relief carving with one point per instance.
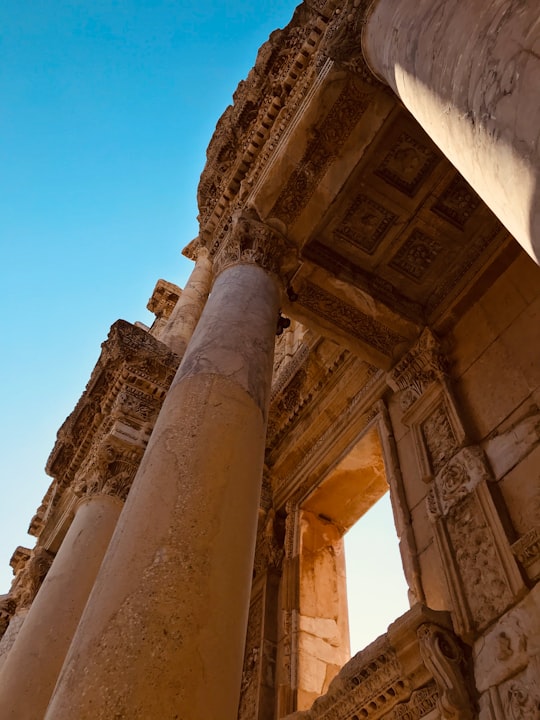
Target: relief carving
point(444, 658)
point(349, 319)
point(484, 581)
point(521, 703)
point(365, 224)
point(321, 151)
point(423, 365)
point(439, 437)
point(416, 256)
point(407, 164)
point(460, 476)
point(422, 703)
point(342, 42)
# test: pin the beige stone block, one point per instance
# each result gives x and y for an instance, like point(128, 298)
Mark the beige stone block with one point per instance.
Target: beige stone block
point(522, 341)
point(312, 675)
point(524, 273)
point(521, 492)
point(510, 446)
point(316, 647)
point(422, 527)
point(471, 336)
point(491, 388)
point(502, 304)
point(415, 488)
point(396, 414)
point(323, 628)
point(433, 581)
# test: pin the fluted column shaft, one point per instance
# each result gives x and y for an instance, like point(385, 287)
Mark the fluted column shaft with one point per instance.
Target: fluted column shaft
point(187, 311)
point(163, 633)
point(469, 72)
point(31, 669)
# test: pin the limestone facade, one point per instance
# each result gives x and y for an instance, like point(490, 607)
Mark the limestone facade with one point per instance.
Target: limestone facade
point(372, 326)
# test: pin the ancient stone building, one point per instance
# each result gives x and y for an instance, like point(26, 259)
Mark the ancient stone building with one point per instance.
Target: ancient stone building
point(371, 198)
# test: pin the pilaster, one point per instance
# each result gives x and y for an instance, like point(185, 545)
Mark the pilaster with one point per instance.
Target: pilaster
point(473, 551)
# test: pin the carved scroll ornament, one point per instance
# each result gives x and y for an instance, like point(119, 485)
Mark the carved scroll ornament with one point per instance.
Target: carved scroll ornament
point(444, 658)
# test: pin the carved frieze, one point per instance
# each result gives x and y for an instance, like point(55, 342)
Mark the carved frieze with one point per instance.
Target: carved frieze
point(324, 147)
point(349, 319)
point(422, 703)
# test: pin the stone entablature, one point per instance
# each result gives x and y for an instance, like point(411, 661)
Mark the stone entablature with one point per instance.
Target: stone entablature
point(98, 448)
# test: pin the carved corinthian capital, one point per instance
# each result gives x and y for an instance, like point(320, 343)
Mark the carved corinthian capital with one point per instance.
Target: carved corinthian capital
point(112, 471)
point(343, 40)
point(254, 242)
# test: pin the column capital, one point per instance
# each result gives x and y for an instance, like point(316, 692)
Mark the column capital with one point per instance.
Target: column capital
point(424, 364)
point(111, 472)
point(254, 242)
point(343, 39)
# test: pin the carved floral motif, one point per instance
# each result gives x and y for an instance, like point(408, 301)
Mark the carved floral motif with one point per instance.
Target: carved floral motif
point(439, 437)
point(483, 579)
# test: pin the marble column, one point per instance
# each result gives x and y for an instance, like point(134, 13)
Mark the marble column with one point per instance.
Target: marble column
point(187, 311)
point(163, 633)
point(31, 669)
point(469, 72)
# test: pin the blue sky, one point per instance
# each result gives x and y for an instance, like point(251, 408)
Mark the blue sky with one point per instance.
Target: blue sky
point(106, 110)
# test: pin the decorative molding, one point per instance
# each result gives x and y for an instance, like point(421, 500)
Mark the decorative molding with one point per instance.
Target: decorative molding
point(321, 151)
point(457, 479)
point(527, 552)
point(349, 319)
